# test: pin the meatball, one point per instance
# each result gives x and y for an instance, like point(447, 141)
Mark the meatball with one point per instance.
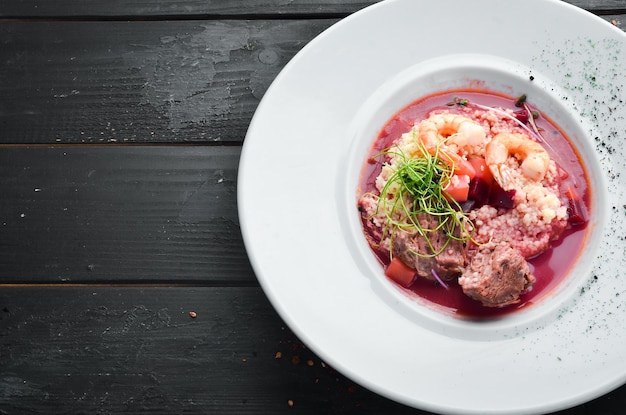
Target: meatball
point(496, 276)
point(415, 251)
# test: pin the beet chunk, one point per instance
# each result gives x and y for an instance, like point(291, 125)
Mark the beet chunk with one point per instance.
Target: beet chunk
point(501, 198)
point(522, 116)
point(575, 208)
point(479, 191)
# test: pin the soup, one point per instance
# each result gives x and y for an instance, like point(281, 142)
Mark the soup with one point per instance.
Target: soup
point(474, 202)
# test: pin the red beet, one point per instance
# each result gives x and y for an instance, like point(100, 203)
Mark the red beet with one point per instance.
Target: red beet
point(501, 198)
point(479, 191)
point(522, 116)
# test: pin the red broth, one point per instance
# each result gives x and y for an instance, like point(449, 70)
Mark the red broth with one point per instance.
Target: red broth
point(551, 266)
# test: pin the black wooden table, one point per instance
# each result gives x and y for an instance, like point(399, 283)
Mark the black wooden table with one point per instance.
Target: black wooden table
point(125, 285)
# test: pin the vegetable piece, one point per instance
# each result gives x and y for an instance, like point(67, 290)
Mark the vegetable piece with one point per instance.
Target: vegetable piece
point(501, 198)
point(458, 188)
point(439, 280)
point(479, 191)
point(461, 102)
point(482, 170)
point(457, 163)
point(480, 185)
point(401, 273)
point(520, 100)
point(522, 116)
point(575, 207)
point(464, 167)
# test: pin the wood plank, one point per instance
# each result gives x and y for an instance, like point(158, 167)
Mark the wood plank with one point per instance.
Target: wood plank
point(190, 81)
point(618, 20)
point(274, 8)
point(121, 214)
point(221, 8)
point(111, 350)
point(75, 82)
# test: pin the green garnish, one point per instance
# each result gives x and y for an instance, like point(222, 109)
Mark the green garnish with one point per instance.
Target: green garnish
point(461, 102)
point(416, 187)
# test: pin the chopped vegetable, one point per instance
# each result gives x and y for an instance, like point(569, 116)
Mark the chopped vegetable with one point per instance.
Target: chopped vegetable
point(401, 273)
point(464, 167)
point(456, 163)
point(480, 185)
point(481, 169)
point(575, 207)
point(502, 198)
point(522, 116)
point(479, 191)
point(458, 189)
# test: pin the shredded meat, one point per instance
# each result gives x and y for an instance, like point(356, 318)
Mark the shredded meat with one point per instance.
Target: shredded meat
point(496, 276)
point(414, 250)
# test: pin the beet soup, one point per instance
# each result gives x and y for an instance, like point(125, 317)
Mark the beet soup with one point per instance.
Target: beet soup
point(515, 199)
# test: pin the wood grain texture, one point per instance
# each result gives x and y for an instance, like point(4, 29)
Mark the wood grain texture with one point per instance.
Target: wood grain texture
point(618, 20)
point(106, 249)
point(137, 350)
point(212, 8)
point(131, 82)
point(92, 82)
point(121, 213)
point(131, 350)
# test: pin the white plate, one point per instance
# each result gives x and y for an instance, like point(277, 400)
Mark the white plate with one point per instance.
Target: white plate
point(297, 203)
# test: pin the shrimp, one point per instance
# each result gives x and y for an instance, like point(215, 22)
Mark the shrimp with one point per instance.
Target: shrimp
point(448, 128)
point(455, 128)
point(535, 159)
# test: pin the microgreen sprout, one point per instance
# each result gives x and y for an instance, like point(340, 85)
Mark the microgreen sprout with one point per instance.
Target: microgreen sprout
point(439, 280)
point(458, 101)
point(416, 187)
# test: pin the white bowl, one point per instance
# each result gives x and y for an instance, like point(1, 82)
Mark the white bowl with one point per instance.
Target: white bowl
point(297, 203)
point(477, 73)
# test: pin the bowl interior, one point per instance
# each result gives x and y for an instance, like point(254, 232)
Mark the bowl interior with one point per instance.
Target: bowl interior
point(481, 73)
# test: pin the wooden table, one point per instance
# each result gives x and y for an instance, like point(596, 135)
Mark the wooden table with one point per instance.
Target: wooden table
point(125, 285)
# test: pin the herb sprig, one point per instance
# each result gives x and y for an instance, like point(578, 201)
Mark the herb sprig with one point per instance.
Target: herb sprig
point(417, 187)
